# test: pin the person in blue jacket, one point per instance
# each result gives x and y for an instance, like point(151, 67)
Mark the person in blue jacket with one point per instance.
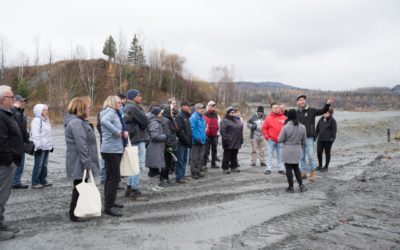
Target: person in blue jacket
point(198, 125)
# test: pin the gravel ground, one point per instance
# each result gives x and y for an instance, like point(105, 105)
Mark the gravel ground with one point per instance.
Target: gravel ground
point(353, 206)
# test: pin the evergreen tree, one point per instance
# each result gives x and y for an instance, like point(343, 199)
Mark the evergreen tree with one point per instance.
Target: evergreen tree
point(134, 51)
point(110, 48)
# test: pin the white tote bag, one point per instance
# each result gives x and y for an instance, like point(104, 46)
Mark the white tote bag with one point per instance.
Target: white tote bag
point(130, 160)
point(89, 201)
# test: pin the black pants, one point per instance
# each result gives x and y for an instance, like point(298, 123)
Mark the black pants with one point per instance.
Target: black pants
point(113, 177)
point(289, 174)
point(321, 146)
point(211, 144)
point(74, 199)
point(229, 160)
point(168, 165)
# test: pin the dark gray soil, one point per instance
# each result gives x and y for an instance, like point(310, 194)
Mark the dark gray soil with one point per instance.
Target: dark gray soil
point(356, 205)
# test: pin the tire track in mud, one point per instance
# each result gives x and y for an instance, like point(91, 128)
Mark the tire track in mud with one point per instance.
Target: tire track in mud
point(283, 232)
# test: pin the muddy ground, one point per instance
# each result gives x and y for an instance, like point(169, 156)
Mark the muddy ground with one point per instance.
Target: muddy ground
point(356, 205)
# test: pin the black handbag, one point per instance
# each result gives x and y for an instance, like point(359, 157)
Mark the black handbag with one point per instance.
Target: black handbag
point(29, 148)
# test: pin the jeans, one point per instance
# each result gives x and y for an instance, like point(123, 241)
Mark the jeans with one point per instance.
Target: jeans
point(271, 147)
point(19, 171)
point(39, 172)
point(134, 181)
point(182, 156)
point(102, 170)
point(6, 177)
point(308, 150)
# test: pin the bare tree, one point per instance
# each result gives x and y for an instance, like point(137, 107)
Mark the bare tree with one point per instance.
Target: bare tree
point(3, 51)
point(88, 72)
point(36, 41)
point(223, 77)
point(121, 59)
point(173, 65)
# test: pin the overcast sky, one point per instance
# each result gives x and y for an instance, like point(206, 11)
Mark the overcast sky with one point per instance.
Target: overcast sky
point(323, 44)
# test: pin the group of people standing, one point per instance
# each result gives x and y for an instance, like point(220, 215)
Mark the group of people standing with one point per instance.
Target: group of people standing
point(166, 138)
point(291, 135)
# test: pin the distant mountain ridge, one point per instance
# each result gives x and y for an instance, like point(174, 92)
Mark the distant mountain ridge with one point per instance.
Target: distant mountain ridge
point(264, 85)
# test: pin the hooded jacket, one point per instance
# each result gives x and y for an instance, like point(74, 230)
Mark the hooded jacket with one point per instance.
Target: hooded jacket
point(255, 124)
point(136, 122)
point(211, 118)
point(41, 132)
point(231, 132)
point(81, 146)
point(11, 143)
point(198, 125)
point(170, 128)
point(273, 125)
point(111, 129)
point(155, 148)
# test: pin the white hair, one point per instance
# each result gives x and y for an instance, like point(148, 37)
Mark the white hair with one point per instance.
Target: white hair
point(4, 89)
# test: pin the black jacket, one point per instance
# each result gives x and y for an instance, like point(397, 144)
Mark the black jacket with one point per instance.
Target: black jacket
point(170, 129)
point(184, 132)
point(136, 122)
point(18, 114)
point(11, 142)
point(231, 132)
point(326, 130)
point(307, 116)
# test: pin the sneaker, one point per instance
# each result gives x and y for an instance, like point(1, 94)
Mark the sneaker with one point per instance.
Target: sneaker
point(47, 185)
point(282, 172)
point(226, 171)
point(262, 164)
point(302, 188)
point(195, 176)
point(163, 183)
point(181, 181)
point(157, 188)
point(6, 228)
point(267, 172)
point(37, 186)
point(235, 170)
point(113, 212)
point(253, 164)
point(20, 186)
point(319, 168)
point(4, 235)
point(214, 166)
point(290, 190)
point(324, 169)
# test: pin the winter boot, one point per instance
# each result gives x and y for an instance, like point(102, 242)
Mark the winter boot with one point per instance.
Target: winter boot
point(303, 176)
point(136, 195)
point(324, 169)
point(302, 188)
point(312, 175)
point(128, 191)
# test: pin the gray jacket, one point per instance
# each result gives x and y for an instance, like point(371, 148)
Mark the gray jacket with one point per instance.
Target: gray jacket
point(111, 128)
point(136, 122)
point(255, 124)
point(156, 146)
point(81, 147)
point(293, 139)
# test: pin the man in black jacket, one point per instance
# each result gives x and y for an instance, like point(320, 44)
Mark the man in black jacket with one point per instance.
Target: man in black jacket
point(306, 116)
point(136, 124)
point(18, 113)
point(184, 134)
point(11, 149)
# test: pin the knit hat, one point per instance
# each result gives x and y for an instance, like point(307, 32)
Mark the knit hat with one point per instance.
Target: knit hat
point(260, 109)
point(199, 106)
point(292, 115)
point(156, 110)
point(229, 109)
point(132, 93)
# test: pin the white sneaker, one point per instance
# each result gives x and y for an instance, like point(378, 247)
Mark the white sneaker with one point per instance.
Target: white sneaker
point(157, 188)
